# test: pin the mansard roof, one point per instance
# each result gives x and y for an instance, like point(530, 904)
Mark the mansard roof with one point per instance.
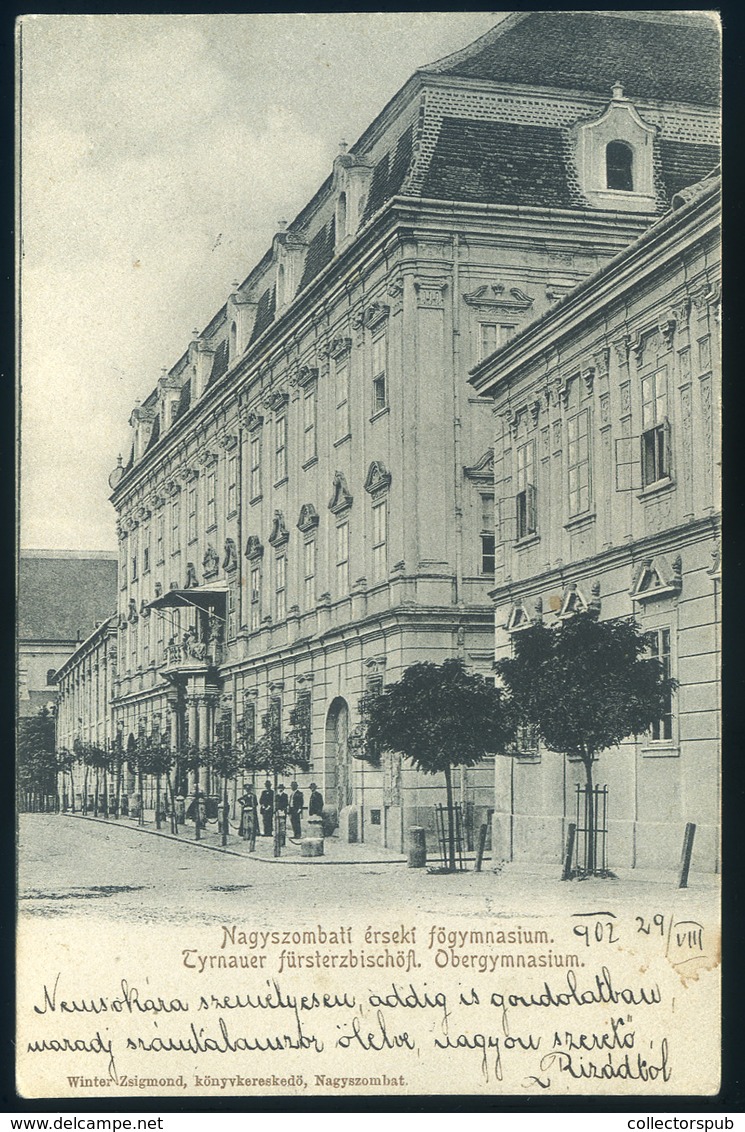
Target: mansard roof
point(63, 594)
point(649, 52)
point(426, 145)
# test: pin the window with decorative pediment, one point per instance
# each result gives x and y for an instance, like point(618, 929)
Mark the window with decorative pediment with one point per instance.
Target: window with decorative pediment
point(255, 467)
point(309, 424)
point(255, 597)
point(342, 558)
point(660, 649)
point(615, 157)
point(525, 498)
point(309, 572)
point(280, 587)
point(655, 438)
point(280, 447)
point(379, 368)
point(656, 578)
point(175, 524)
point(578, 462)
point(487, 536)
point(232, 475)
point(341, 386)
point(380, 540)
point(211, 491)
point(160, 533)
point(191, 513)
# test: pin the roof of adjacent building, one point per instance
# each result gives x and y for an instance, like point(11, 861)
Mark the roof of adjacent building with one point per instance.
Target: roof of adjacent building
point(647, 52)
point(61, 595)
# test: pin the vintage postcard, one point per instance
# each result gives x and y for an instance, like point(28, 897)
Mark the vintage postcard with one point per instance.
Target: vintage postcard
point(369, 616)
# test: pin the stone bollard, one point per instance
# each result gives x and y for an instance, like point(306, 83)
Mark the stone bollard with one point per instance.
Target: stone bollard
point(180, 809)
point(314, 827)
point(417, 847)
point(311, 847)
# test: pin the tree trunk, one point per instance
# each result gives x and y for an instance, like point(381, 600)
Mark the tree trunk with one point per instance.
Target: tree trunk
point(451, 818)
point(224, 830)
point(85, 791)
point(96, 789)
point(72, 790)
point(141, 792)
point(277, 839)
point(197, 822)
point(591, 834)
point(157, 801)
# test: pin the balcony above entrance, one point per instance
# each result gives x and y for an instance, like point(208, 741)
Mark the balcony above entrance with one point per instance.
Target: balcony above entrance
point(197, 643)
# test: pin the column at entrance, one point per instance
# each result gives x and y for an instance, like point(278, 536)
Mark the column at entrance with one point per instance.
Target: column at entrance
point(193, 737)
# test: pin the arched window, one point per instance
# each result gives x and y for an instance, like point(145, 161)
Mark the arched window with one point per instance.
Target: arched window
point(50, 675)
point(233, 340)
point(341, 216)
point(619, 165)
point(281, 284)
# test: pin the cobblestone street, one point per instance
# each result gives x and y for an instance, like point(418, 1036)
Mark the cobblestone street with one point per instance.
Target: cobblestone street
point(69, 866)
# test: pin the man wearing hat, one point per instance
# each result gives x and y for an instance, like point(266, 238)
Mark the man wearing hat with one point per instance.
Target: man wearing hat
point(266, 806)
point(315, 802)
point(281, 802)
point(297, 805)
point(249, 814)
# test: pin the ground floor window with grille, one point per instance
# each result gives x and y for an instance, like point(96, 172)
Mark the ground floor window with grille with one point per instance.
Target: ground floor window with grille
point(659, 647)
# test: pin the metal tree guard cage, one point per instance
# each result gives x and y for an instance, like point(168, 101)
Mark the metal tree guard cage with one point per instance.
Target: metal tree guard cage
point(591, 845)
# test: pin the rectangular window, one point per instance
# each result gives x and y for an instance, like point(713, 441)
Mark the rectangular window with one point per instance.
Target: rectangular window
point(145, 558)
point(192, 514)
point(342, 558)
point(133, 645)
point(256, 465)
point(380, 541)
point(342, 399)
point(160, 534)
point(232, 484)
point(280, 589)
point(659, 646)
point(379, 368)
point(160, 623)
point(211, 501)
point(230, 634)
point(134, 567)
point(525, 499)
point(655, 439)
point(488, 339)
point(309, 425)
point(309, 565)
point(487, 534)
point(175, 524)
point(255, 598)
point(578, 463)
point(280, 448)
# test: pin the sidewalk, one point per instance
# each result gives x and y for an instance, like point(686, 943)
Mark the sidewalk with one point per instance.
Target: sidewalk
point(336, 852)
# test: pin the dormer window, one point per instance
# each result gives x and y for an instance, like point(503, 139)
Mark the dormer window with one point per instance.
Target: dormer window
point(619, 166)
point(233, 340)
point(615, 158)
point(341, 217)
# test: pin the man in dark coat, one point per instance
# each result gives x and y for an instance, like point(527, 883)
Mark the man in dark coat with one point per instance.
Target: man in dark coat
point(281, 803)
point(266, 806)
point(297, 805)
point(249, 815)
point(315, 802)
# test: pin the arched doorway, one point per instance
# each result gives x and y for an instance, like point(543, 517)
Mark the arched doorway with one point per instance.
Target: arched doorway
point(338, 762)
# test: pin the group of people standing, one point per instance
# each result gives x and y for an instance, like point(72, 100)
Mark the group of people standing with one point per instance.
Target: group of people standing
point(258, 814)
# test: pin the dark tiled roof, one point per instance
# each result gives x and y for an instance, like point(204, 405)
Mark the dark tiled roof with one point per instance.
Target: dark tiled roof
point(320, 252)
point(498, 163)
point(388, 175)
point(131, 459)
point(154, 435)
point(184, 400)
point(219, 362)
point(684, 163)
point(590, 51)
point(59, 597)
point(265, 309)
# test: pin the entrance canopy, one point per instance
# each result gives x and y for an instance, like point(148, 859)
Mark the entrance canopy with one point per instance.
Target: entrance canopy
point(212, 597)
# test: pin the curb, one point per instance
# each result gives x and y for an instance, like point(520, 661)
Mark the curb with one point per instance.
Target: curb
point(232, 852)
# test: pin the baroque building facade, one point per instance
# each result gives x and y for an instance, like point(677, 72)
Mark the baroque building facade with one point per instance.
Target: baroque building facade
point(308, 504)
point(607, 473)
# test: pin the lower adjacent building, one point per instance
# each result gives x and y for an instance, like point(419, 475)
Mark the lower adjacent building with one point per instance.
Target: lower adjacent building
point(62, 594)
point(606, 472)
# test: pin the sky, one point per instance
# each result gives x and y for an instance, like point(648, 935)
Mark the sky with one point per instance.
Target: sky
point(158, 153)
